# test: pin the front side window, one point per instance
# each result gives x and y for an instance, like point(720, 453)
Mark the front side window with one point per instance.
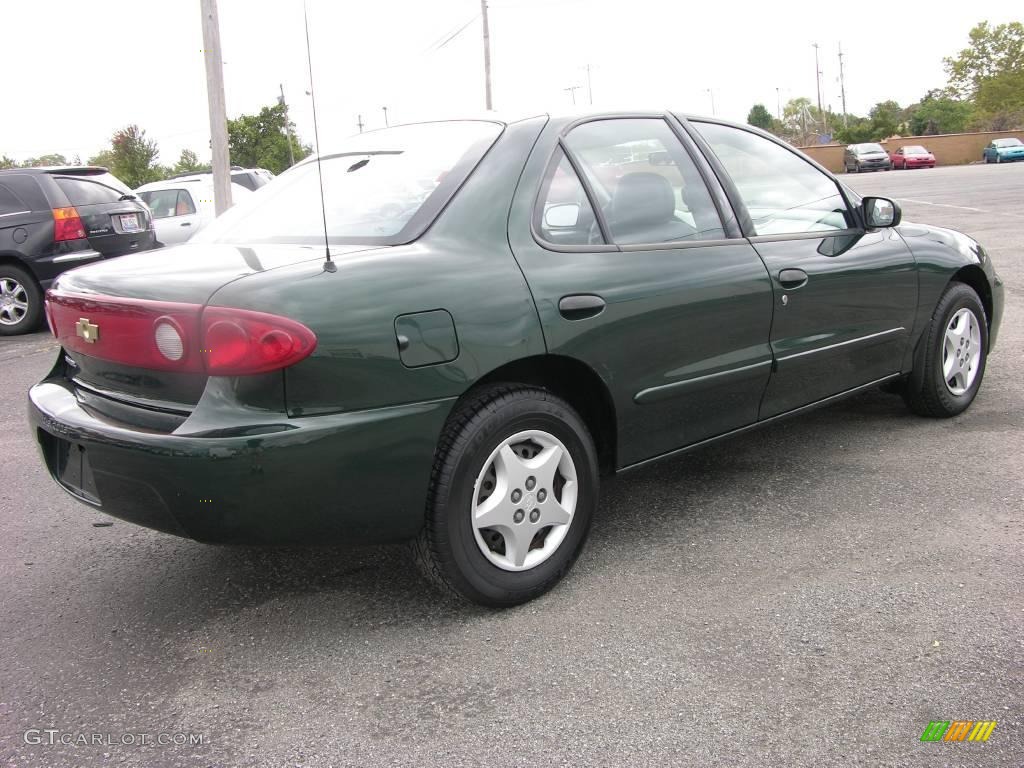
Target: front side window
point(565, 214)
point(646, 184)
point(783, 193)
point(373, 188)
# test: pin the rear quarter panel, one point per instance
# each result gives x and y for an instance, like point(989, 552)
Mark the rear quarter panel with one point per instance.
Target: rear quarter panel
point(462, 265)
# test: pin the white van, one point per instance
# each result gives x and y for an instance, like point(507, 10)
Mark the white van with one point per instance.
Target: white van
point(184, 205)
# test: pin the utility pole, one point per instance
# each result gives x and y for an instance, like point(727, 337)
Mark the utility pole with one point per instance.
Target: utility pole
point(359, 122)
point(778, 103)
point(487, 55)
point(842, 84)
point(221, 164)
point(287, 127)
point(711, 93)
point(590, 90)
point(572, 92)
point(817, 78)
point(386, 123)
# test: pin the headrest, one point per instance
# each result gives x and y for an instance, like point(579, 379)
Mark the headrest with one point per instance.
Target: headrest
point(642, 199)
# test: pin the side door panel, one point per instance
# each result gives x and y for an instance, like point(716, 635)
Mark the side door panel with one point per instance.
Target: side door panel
point(682, 341)
point(848, 325)
point(844, 297)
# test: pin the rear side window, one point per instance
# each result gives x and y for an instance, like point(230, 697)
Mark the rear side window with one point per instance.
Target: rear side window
point(92, 190)
point(783, 193)
point(165, 203)
point(647, 185)
point(10, 202)
point(565, 216)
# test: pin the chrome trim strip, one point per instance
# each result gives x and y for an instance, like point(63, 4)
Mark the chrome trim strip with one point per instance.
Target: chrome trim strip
point(13, 213)
point(664, 391)
point(858, 340)
point(756, 424)
point(79, 256)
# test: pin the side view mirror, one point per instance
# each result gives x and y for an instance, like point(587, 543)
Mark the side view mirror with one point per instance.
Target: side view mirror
point(881, 212)
point(562, 216)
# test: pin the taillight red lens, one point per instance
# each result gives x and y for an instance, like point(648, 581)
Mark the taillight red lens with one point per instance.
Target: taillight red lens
point(240, 341)
point(67, 224)
point(171, 336)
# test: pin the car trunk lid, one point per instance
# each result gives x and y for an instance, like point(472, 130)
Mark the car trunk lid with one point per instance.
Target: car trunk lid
point(106, 317)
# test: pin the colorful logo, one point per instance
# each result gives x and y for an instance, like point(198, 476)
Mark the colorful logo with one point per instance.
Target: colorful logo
point(958, 730)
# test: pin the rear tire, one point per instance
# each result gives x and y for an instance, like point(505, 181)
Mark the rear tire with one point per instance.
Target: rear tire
point(950, 362)
point(532, 454)
point(21, 301)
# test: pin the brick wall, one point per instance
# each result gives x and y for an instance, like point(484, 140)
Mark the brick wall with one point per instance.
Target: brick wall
point(949, 149)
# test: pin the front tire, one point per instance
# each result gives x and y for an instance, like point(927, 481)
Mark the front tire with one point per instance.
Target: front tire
point(512, 494)
point(21, 301)
point(950, 363)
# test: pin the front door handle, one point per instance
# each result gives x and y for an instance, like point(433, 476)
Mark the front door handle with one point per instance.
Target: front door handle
point(186, 224)
point(580, 306)
point(791, 279)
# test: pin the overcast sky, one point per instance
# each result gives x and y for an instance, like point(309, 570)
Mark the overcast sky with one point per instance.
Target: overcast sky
point(77, 70)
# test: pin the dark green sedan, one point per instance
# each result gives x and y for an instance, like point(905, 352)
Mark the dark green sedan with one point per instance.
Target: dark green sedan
point(476, 320)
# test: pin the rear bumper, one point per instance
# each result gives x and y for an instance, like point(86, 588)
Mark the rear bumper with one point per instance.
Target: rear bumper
point(342, 478)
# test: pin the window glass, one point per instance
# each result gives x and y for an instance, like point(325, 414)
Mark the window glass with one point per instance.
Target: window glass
point(185, 205)
point(92, 190)
point(565, 214)
point(783, 193)
point(647, 186)
point(372, 187)
point(163, 202)
point(10, 202)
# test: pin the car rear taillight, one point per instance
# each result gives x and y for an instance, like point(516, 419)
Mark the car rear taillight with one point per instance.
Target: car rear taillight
point(67, 224)
point(171, 336)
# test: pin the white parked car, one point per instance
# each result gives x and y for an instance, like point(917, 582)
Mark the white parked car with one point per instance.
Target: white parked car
point(182, 206)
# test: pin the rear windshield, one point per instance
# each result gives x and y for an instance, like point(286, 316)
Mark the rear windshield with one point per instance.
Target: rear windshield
point(864, 149)
point(380, 187)
point(1007, 142)
point(915, 151)
point(92, 190)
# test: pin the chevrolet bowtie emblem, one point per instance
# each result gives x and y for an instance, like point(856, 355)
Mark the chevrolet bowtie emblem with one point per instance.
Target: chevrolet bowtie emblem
point(86, 330)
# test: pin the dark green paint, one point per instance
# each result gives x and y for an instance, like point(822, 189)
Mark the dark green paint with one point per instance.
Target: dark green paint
point(426, 338)
point(694, 342)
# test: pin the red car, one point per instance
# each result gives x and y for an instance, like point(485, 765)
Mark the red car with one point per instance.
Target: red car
point(912, 157)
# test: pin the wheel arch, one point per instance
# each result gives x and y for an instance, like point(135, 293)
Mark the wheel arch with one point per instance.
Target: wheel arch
point(974, 276)
point(576, 383)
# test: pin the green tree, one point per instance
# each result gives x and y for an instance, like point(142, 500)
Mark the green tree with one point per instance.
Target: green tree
point(938, 113)
point(858, 130)
point(134, 157)
point(993, 51)
point(45, 160)
point(188, 162)
point(8, 162)
point(104, 158)
point(760, 117)
point(886, 118)
point(261, 141)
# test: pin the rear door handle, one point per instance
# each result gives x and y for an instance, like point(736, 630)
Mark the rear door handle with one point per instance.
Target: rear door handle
point(580, 306)
point(792, 278)
point(186, 224)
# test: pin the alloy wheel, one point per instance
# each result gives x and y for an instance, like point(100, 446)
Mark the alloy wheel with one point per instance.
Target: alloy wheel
point(13, 301)
point(961, 351)
point(523, 500)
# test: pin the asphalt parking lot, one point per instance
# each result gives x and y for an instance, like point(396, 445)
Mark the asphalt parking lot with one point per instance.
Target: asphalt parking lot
point(811, 595)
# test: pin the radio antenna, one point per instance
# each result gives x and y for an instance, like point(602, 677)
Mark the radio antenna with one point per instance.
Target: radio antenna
point(329, 265)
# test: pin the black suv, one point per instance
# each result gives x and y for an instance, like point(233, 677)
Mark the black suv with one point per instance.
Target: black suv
point(53, 219)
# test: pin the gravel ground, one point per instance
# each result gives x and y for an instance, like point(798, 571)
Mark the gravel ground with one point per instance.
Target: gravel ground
point(809, 595)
